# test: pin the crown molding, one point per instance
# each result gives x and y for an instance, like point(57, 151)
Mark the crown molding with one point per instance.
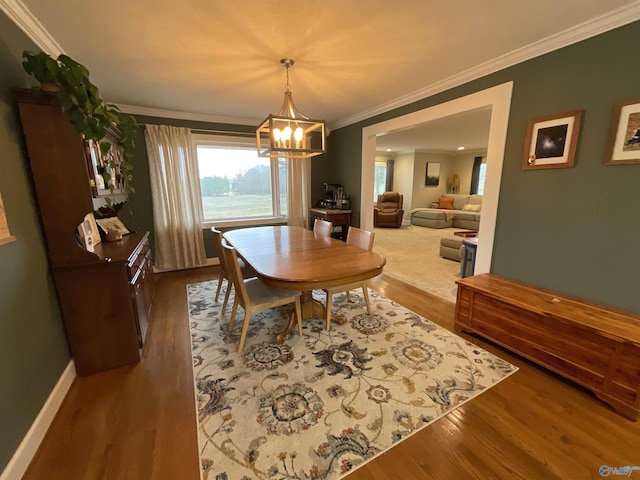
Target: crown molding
point(197, 117)
point(614, 19)
point(24, 19)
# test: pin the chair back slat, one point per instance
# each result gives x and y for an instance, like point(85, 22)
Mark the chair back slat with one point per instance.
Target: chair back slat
point(360, 238)
point(235, 274)
point(217, 239)
point(322, 227)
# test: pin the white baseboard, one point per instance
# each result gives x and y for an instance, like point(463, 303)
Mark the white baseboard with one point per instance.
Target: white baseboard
point(22, 457)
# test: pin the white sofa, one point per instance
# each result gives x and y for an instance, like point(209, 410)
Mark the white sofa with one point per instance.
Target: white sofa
point(465, 213)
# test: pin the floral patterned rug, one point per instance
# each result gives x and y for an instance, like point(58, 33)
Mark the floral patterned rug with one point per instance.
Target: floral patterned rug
point(321, 405)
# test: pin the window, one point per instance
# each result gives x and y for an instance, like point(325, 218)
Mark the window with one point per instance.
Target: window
point(383, 179)
point(478, 175)
point(238, 186)
point(380, 180)
point(481, 178)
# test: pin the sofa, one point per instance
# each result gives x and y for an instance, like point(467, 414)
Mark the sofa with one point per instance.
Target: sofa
point(453, 210)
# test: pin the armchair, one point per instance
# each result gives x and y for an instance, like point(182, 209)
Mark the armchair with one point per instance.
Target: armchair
point(388, 212)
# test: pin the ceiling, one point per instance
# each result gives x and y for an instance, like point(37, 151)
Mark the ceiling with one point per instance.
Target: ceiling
point(444, 135)
point(353, 58)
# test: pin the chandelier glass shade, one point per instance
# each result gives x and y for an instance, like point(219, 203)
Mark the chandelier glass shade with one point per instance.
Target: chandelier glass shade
point(289, 134)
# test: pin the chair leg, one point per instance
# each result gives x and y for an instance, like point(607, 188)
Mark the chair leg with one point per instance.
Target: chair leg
point(299, 315)
point(245, 326)
point(226, 296)
point(234, 309)
point(348, 297)
point(365, 292)
point(220, 279)
point(328, 306)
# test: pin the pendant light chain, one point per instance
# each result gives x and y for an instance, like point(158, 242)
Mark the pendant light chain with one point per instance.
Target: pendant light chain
point(287, 63)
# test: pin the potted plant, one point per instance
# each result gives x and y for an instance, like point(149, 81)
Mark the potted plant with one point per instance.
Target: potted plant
point(88, 112)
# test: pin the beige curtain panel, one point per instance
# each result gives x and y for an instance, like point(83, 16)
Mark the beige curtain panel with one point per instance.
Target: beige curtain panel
point(177, 209)
point(299, 192)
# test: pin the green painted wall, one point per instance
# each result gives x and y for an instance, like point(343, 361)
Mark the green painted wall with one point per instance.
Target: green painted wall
point(33, 346)
point(570, 230)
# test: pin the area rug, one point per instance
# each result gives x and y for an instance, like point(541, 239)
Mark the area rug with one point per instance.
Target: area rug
point(324, 403)
point(413, 256)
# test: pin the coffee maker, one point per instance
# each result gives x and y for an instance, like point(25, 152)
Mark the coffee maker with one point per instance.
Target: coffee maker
point(331, 195)
point(335, 198)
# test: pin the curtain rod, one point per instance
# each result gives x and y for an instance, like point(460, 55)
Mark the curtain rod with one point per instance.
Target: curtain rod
point(234, 133)
point(224, 132)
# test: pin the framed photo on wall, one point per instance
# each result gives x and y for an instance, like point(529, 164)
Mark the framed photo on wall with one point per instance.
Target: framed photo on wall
point(432, 174)
point(551, 141)
point(623, 147)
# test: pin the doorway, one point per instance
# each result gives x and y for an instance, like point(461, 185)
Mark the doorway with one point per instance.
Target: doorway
point(497, 98)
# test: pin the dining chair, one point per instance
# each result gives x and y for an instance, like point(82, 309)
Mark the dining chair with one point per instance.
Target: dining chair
point(253, 295)
point(247, 271)
point(322, 227)
point(358, 238)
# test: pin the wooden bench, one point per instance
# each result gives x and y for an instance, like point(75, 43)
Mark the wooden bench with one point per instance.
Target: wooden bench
point(594, 346)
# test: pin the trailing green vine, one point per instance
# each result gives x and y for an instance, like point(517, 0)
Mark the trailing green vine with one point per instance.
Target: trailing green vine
point(88, 112)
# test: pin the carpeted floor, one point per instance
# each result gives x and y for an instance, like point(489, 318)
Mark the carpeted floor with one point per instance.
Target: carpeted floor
point(321, 405)
point(412, 255)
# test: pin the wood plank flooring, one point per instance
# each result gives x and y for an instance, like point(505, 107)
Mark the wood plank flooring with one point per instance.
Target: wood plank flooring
point(138, 422)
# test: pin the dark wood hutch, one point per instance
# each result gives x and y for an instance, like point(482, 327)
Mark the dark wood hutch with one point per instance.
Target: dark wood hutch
point(105, 296)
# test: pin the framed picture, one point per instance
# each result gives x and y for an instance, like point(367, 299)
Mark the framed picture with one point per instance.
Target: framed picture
point(551, 141)
point(432, 174)
point(105, 171)
point(112, 224)
point(624, 134)
point(88, 230)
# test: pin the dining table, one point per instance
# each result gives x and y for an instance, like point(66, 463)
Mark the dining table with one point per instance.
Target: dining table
point(295, 258)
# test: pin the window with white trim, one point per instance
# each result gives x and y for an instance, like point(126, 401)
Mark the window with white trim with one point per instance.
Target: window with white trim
point(236, 185)
point(481, 177)
point(380, 179)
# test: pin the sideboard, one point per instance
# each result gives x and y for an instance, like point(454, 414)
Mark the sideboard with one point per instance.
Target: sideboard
point(105, 296)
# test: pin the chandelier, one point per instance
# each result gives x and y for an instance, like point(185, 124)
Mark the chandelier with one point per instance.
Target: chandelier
point(289, 134)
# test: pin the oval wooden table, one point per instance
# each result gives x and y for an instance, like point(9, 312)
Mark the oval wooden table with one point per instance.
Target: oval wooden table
point(295, 258)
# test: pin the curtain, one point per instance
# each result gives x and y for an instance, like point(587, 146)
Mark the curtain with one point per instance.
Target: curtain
point(298, 191)
point(389, 180)
point(475, 175)
point(177, 209)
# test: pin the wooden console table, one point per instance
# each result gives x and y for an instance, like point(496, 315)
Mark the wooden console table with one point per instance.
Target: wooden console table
point(596, 347)
point(339, 218)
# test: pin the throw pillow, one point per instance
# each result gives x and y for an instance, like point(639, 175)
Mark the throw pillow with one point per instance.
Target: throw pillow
point(446, 203)
point(471, 208)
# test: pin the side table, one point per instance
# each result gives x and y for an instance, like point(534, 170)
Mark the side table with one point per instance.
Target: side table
point(341, 220)
point(468, 260)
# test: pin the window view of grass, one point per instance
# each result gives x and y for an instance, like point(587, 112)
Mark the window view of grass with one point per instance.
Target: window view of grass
point(236, 184)
point(237, 206)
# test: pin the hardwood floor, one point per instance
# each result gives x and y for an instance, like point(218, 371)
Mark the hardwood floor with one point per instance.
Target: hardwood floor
point(138, 422)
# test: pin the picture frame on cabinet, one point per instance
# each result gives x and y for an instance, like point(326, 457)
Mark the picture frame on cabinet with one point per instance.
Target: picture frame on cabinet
point(623, 147)
point(106, 172)
point(88, 230)
point(112, 224)
point(551, 141)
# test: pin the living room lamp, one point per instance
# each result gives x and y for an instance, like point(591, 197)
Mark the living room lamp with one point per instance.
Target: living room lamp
point(289, 134)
